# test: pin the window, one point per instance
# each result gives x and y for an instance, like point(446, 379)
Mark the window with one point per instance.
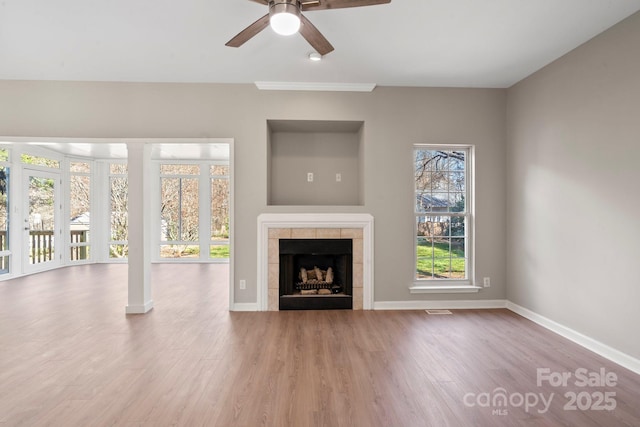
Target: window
point(119, 188)
point(219, 245)
point(179, 210)
point(442, 213)
point(194, 211)
point(4, 212)
point(79, 210)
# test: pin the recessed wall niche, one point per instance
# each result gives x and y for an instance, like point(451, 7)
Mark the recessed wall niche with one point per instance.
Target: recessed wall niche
point(314, 162)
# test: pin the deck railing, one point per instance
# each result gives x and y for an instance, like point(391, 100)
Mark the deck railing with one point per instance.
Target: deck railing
point(78, 252)
point(41, 244)
point(42, 248)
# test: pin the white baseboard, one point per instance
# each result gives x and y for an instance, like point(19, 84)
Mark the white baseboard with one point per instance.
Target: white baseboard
point(244, 306)
point(450, 304)
point(603, 350)
point(139, 309)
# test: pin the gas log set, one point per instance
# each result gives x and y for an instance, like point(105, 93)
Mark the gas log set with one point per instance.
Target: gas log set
point(316, 274)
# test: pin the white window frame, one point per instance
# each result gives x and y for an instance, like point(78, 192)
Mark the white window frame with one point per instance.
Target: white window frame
point(204, 211)
point(210, 240)
point(448, 285)
point(108, 240)
point(8, 252)
point(66, 179)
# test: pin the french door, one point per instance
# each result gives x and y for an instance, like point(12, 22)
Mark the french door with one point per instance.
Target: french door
point(41, 222)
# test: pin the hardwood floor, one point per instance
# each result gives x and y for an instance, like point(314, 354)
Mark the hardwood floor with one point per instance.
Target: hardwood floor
point(69, 356)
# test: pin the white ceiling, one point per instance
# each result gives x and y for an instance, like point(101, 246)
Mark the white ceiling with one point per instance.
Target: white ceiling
point(458, 43)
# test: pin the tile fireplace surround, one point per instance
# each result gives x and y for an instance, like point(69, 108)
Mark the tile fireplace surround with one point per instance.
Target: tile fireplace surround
point(273, 227)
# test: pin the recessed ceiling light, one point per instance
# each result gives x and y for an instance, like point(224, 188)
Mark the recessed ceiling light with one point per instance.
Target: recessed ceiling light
point(315, 56)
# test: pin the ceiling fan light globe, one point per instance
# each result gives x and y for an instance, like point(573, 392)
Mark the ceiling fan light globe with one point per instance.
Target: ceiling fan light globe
point(284, 18)
point(285, 23)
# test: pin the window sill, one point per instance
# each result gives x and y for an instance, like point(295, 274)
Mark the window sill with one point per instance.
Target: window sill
point(460, 289)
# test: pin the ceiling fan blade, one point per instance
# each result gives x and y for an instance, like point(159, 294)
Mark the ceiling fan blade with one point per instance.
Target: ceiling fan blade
point(339, 4)
point(253, 29)
point(314, 37)
point(261, 1)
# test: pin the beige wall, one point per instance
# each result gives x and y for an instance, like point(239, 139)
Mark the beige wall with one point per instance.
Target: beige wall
point(395, 118)
point(573, 196)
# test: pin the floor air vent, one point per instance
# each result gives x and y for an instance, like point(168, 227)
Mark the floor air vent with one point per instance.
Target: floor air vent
point(438, 311)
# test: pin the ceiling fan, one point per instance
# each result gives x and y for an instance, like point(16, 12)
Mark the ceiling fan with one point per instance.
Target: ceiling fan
point(286, 18)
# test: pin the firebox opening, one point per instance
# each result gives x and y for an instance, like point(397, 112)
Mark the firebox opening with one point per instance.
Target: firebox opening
point(316, 274)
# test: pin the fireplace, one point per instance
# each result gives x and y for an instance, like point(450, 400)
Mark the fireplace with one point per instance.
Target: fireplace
point(273, 227)
point(316, 274)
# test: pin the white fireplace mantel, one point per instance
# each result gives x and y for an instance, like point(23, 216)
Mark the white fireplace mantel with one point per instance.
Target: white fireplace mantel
point(314, 220)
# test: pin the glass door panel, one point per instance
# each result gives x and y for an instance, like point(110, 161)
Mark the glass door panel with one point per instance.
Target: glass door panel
point(41, 223)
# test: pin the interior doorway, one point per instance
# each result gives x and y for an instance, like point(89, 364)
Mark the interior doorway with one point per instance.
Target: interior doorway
point(51, 231)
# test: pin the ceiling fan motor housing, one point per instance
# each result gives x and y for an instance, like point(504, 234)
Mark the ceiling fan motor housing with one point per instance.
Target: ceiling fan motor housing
point(284, 6)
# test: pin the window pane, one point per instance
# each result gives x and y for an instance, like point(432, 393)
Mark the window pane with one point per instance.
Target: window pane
point(180, 169)
point(118, 168)
point(179, 251)
point(424, 264)
point(456, 182)
point(189, 210)
point(79, 237)
point(80, 167)
point(456, 202)
point(219, 170)
point(4, 264)
point(219, 208)
point(119, 209)
point(219, 251)
point(80, 204)
point(79, 253)
point(118, 251)
point(432, 202)
point(457, 227)
point(4, 208)
point(179, 209)
point(4, 155)
point(457, 160)
point(119, 232)
point(440, 247)
point(169, 209)
point(440, 181)
point(39, 161)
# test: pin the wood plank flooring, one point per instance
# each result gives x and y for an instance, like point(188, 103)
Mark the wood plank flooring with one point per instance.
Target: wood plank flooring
point(69, 356)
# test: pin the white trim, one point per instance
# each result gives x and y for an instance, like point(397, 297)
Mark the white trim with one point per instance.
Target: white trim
point(322, 220)
point(450, 304)
point(444, 289)
point(139, 309)
point(589, 343)
point(244, 306)
point(325, 87)
point(232, 230)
